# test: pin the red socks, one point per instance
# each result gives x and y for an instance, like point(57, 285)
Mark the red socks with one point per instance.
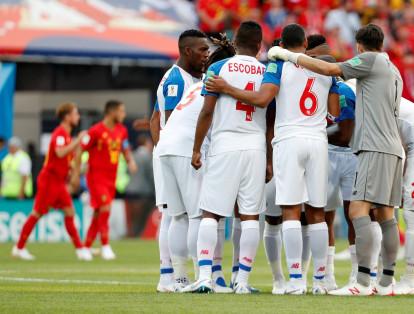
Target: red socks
point(26, 231)
point(104, 227)
point(72, 231)
point(92, 231)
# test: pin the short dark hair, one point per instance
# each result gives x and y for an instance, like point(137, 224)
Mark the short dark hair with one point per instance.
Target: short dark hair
point(64, 109)
point(276, 42)
point(315, 40)
point(112, 105)
point(189, 33)
point(224, 50)
point(249, 35)
point(370, 36)
point(293, 35)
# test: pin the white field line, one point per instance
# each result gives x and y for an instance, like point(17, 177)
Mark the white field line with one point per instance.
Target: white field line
point(73, 281)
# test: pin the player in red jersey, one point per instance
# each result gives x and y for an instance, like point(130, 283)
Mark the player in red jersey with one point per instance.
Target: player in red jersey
point(105, 141)
point(52, 182)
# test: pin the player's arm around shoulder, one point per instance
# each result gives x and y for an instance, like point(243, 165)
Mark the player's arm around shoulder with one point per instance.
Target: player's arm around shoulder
point(312, 64)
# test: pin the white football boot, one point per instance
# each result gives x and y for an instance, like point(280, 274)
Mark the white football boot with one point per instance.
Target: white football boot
point(384, 291)
point(404, 286)
point(84, 254)
point(165, 288)
point(200, 286)
point(295, 287)
point(107, 253)
point(352, 290)
point(279, 286)
point(23, 254)
point(319, 287)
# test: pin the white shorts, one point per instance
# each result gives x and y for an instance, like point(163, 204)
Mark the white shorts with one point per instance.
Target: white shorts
point(408, 184)
point(234, 176)
point(342, 169)
point(160, 198)
point(300, 167)
point(272, 209)
point(183, 185)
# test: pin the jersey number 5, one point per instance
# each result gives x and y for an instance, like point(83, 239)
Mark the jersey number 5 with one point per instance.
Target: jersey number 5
point(308, 102)
point(249, 109)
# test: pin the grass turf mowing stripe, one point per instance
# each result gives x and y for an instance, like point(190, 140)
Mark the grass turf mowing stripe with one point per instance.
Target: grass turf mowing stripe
point(73, 281)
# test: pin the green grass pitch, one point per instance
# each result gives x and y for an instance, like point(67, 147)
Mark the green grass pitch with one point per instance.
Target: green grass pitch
point(57, 283)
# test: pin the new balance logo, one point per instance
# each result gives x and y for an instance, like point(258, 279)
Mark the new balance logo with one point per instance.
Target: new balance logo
point(354, 290)
point(295, 266)
point(249, 260)
point(321, 269)
point(204, 252)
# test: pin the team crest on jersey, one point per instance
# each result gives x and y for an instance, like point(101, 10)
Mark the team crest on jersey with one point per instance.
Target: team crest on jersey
point(172, 90)
point(272, 68)
point(355, 61)
point(209, 74)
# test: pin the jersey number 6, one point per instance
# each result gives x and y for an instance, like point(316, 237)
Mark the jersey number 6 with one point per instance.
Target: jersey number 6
point(249, 109)
point(308, 96)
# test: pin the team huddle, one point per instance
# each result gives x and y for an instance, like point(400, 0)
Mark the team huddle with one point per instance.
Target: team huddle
point(293, 140)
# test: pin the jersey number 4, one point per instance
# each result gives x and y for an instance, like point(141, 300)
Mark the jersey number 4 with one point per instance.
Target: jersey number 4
point(308, 102)
point(249, 109)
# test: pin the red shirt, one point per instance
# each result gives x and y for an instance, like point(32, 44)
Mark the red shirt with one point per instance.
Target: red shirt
point(53, 164)
point(104, 146)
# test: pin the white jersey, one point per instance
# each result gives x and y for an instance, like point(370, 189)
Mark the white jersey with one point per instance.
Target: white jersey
point(406, 125)
point(301, 104)
point(178, 135)
point(237, 126)
point(171, 89)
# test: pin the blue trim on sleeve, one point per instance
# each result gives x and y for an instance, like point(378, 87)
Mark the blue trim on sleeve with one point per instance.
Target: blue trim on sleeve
point(174, 84)
point(214, 69)
point(347, 102)
point(334, 87)
point(273, 74)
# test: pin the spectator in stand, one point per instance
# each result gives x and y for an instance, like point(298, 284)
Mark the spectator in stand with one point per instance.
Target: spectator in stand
point(140, 191)
point(345, 19)
point(216, 15)
point(276, 15)
point(312, 18)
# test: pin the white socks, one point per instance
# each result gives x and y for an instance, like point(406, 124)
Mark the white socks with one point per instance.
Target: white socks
point(376, 249)
point(166, 269)
point(330, 267)
point(272, 239)
point(236, 233)
point(206, 244)
point(354, 262)
point(409, 244)
point(306, 251)
point(193, 226)
point(292, 241)
point(218, 252)
point(249, 242)
point(177, 240)
point(318, 239)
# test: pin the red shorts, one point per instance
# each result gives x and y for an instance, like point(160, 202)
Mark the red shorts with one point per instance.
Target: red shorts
point(52, 192)
point(101, 191)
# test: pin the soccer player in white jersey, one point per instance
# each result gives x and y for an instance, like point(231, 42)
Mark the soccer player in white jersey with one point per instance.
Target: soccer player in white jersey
point(406, 125)
point(193, 47)
point(236, 163)
point(183, 182)
point(300, 152)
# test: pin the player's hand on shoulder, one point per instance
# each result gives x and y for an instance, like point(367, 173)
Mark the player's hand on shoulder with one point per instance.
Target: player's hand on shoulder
point(277, 52)
point(216, 84)
point(196, 160)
